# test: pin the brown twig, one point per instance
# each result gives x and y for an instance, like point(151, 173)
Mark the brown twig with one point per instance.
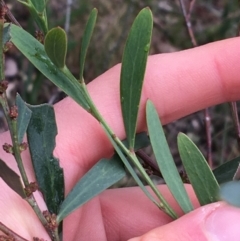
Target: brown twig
point(187, 16)
point(149, 161)
point(235, 120)
point(10, 233)
point(234, 110)
point(207, 118)
point(9, 14)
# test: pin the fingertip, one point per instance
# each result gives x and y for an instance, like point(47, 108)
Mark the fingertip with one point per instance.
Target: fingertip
point(223, 224)
point(213, 222)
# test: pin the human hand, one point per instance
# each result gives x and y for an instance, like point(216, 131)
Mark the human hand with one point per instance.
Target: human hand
point(178, 84)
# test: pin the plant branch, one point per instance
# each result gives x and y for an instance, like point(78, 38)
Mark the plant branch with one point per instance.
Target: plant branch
point(9, 14)
point(10, 233)
point(187, 16)
point(163, 205)
point(149, 161)
point(12, 124)
point(68, 15)
point(131, 155)
point(235, 120)
point(207, 118)
point(234, 110)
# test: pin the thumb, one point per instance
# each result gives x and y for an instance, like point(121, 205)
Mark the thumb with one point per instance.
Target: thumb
point(213, 222)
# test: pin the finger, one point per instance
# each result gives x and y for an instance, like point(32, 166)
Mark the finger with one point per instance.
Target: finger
point(18, 216)
point(214, 222)
point(120, 214)
point(178, 84)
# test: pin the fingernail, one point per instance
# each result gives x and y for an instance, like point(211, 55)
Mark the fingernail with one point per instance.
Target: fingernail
point(223, 224)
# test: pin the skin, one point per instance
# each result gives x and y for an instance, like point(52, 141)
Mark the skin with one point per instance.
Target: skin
point(179, 84)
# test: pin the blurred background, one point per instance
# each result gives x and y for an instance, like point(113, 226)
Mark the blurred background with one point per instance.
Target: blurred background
point(211, 20)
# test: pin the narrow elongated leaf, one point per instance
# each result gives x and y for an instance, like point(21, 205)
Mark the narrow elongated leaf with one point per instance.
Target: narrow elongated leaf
point(164, 159)
point(86, 39)
point(35, 53)
point(12, 179)
point(226, 171)
point(41, 135)
point(24, 116)
point(101, 176)
point(230, 193)
point(198, 171)
point(133, 70)
point(55, 45)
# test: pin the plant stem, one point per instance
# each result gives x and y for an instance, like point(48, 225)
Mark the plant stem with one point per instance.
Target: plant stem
point(163, 205)
point(149, 161)
point(68, 15)
point(235, 121)
point(13, 129)
point(10, 233)
point(9, 14)
point(12, 124)
point(234, 110)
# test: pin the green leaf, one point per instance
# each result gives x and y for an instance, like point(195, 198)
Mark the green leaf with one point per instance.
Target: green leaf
point(86, 39)
point(164, 159)
point(24, 116)
point(198, 171)
point(34, 52)
point(163, 205)
point(133, 70)
point(12, 179)
point(41, 135)
point(226, 171)
point(55, 45)
point(230, 193)
point(101, 176)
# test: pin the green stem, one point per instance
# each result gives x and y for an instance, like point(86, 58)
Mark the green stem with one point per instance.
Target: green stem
point(55, 235)
point(96, 114)
point(12, 124)
point(163, 203)
point(16, 151)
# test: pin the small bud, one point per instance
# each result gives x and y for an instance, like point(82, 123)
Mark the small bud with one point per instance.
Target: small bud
point(8, 45)
point(47, 215)
point(8, 148)
point(32, 187)
point(23, 146)
point(13, 114)
point(3, 11)
point(3, 86)
point(7, 238)
point(184, 176)
point(51, 219)
point(38, 239)
point(39, 36)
